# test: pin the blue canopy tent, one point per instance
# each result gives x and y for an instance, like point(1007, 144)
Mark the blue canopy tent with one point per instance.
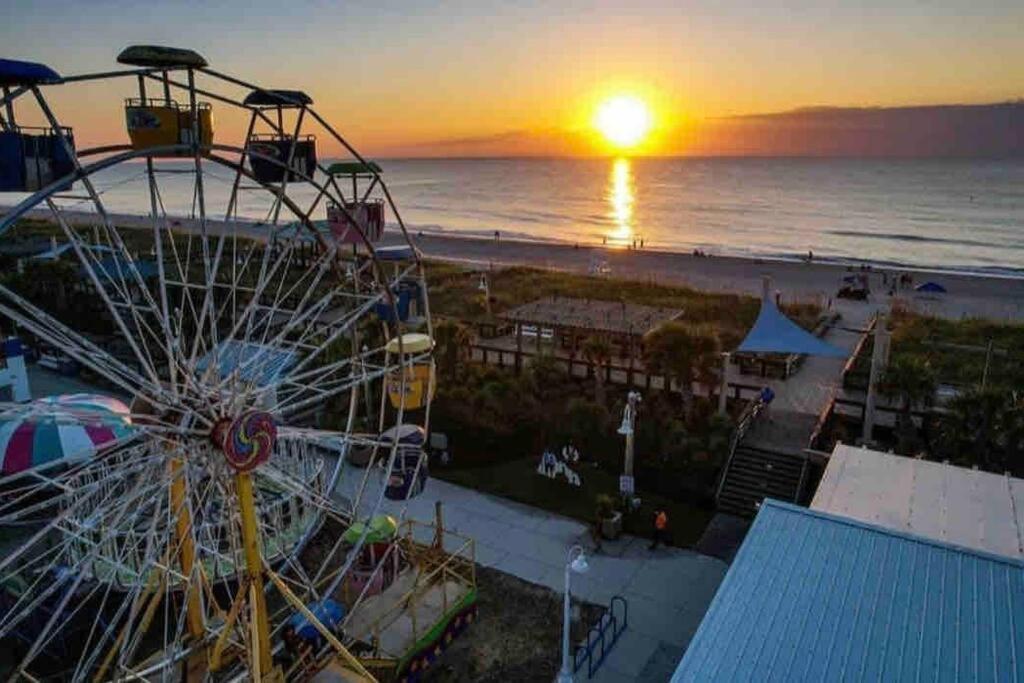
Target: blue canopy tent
point(773, 332)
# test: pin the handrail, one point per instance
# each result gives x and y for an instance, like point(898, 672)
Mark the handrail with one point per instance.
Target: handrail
point(747, 417)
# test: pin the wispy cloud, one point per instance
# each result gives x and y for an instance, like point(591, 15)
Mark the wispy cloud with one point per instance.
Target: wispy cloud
point(954, 130)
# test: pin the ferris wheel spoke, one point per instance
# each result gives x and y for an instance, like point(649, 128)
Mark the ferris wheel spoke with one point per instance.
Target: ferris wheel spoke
point(159, 220)
point(101, 278)
point(76, 575)
point(339, 327)
point(293, 397)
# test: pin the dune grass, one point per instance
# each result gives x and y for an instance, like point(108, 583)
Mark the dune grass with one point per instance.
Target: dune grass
point(454, 293)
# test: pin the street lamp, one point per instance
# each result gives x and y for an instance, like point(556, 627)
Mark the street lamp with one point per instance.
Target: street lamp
point(576, 561)
point(485, 287)
point(627, 429)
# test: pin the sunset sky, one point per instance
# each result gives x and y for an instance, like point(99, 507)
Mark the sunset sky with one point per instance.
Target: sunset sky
point(483, 77)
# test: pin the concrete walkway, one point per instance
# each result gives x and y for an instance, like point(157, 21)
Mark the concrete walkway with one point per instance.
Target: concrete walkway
point(667, 590)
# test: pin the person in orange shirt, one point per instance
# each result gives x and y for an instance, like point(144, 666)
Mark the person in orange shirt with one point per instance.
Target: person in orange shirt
point(660, 529)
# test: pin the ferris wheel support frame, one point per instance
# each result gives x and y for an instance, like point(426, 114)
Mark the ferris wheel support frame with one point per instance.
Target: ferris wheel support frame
point(243, 482)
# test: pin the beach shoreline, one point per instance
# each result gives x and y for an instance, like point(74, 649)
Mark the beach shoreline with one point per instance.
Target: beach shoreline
point(970, 295)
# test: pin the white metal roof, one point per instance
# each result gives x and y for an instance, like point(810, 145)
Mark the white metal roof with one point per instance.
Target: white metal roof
point(965, 507)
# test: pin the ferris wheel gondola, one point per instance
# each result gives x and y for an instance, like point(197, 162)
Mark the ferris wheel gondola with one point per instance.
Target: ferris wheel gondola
point(251, 354)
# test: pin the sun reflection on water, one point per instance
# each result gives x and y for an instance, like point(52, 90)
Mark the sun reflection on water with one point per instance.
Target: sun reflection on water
point(620, 197)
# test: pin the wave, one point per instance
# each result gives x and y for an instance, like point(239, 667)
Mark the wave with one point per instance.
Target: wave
point(904, 237)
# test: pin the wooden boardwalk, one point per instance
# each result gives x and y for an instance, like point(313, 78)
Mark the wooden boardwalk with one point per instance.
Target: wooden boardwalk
point(800, 400)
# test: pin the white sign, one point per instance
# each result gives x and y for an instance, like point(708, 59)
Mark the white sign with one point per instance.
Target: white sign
point(626, 486)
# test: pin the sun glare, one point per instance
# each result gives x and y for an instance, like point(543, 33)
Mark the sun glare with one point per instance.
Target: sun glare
point(623, 121)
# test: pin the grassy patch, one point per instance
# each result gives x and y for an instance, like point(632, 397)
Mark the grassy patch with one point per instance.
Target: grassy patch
point(454, 293)
point(944, 343)
point(955, 349)
point(518, 480)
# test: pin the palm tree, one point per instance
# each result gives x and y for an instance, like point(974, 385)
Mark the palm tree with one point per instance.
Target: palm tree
point(911, 381)
point(454, 343)
point(984, 427)
point(598, 352)
point(682, 356)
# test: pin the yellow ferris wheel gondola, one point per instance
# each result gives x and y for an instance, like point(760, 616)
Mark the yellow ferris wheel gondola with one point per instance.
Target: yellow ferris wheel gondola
point(163, 122)
point(419, 376)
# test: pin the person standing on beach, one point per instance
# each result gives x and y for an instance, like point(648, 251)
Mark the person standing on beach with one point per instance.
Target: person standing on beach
point(497, 235)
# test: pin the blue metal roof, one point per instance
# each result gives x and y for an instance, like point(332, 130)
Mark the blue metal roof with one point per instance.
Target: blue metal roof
point(815, 597)
point(259, 364)
point(773, 332)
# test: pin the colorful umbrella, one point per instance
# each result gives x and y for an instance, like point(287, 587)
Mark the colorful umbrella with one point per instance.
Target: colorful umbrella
point(66, 428)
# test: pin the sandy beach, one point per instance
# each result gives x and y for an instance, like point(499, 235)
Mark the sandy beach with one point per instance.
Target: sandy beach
point(968, 295)
point(996, 298)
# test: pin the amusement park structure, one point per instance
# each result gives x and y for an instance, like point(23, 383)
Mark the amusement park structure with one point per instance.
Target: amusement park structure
point(266, 337)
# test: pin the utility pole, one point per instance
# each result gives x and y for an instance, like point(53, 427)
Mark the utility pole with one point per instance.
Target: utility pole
point(723, 390)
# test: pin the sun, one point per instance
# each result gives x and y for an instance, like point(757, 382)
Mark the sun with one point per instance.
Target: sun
point(624, 121)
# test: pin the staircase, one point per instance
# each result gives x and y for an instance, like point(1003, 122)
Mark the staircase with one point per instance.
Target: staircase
point(754, 474)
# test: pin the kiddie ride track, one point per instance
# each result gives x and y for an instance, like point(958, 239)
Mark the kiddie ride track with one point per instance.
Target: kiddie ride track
point(210, 543)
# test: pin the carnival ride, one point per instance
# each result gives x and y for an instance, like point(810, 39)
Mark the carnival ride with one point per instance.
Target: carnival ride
point(259, 345)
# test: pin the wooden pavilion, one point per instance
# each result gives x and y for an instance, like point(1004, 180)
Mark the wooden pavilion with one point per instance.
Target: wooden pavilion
point(563, 324)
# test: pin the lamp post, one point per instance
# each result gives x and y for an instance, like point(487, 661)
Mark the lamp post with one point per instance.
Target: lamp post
point(627, 429)
point(485, 287)
point(576, 561)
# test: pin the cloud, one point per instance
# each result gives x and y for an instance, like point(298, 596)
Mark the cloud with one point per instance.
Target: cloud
point(987, 130)
point(954, 130)
point(546, 142)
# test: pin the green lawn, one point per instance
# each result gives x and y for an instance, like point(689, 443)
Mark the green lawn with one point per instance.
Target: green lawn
point(518, 480)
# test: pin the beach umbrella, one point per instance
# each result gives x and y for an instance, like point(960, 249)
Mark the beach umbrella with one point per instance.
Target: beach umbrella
point(60, 429)
point(930, 288)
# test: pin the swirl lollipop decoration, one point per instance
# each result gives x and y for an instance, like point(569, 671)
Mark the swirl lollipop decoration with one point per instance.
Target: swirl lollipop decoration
point(249, 440)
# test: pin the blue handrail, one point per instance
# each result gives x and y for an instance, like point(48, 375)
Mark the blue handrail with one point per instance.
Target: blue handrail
point(605, 633)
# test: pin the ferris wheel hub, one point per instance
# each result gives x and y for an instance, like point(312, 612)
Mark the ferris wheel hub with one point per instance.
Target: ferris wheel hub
point(246, 440)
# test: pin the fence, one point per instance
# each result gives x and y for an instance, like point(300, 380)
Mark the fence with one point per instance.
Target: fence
point(614, 373)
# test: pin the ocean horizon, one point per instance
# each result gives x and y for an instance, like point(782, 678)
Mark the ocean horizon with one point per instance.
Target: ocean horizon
point(961, 215)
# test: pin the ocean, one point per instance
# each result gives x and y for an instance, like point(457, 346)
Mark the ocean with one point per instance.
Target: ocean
point(959, 215)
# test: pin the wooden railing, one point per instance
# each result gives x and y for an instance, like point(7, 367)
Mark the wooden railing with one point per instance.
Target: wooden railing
point(614, 372)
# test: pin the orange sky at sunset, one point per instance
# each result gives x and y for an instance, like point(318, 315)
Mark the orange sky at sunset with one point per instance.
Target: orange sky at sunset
point(492, 79)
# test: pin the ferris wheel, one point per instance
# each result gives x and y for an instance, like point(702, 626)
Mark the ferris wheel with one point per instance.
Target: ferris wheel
point(260, 337)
